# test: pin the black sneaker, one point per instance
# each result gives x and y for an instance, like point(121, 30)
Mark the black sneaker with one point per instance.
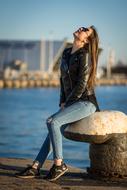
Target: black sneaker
point(28, 172)
point(55, 172)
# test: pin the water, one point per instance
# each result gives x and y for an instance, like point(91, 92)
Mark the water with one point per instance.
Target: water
point(23, 113)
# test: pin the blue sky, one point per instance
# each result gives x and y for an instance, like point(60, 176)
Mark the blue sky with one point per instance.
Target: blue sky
point(57, 19)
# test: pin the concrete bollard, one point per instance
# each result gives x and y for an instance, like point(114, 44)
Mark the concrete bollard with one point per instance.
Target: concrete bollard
point(8, 83)
point(1, 84)
point(110, 158)
point(45, 83)
point(16, 83)
point(38, 83)
point(24, 83)
point(31, 83)
point(106, 131)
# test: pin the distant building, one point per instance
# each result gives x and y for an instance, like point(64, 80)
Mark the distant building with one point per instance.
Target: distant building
point(17, 57)
point(38, 55)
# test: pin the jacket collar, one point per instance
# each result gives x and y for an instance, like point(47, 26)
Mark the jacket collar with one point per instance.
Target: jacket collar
point(78, 51)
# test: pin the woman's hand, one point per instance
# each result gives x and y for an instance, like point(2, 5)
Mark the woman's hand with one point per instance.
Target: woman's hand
point(62, 105)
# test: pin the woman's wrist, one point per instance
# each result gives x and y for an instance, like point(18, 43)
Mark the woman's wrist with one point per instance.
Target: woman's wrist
point(62, 104)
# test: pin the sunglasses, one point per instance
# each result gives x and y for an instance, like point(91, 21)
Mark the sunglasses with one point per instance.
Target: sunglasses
point(83, 29)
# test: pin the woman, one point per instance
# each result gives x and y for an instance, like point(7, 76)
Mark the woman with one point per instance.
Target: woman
point(77, 99)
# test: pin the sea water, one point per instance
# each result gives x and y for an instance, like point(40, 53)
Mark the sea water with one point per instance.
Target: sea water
point(23, 114)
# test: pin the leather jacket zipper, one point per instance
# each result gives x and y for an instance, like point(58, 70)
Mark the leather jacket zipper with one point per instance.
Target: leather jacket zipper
point(69, 75)
point(70, 78)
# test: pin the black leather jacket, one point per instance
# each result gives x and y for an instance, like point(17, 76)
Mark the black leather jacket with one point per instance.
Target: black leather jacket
point(74, 72)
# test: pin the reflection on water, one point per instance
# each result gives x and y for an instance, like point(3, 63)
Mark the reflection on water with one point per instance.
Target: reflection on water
point(23, 114)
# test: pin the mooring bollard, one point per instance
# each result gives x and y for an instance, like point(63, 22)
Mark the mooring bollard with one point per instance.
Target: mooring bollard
point(106, 131)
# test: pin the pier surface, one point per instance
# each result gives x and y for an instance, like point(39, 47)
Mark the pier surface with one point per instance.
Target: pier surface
point(74, 179)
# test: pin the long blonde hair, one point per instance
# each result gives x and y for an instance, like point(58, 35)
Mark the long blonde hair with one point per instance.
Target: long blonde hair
point(93, 50)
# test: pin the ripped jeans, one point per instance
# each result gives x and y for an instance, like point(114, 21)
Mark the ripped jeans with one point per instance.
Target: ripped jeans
point(56, 124)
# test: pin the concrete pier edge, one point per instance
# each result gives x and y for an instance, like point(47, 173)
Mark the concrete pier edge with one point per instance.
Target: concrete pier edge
point(17, 83)
point(74, 179)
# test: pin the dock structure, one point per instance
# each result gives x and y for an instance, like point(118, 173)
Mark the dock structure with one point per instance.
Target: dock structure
point(53, 83)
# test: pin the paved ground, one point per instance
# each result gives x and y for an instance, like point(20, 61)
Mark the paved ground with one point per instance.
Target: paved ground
point(75, 179)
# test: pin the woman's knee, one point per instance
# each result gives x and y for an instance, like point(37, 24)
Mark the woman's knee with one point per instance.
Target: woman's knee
point(52, 122)
point(49, 120)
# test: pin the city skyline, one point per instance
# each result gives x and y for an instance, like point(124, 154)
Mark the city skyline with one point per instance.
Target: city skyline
point(56, 20)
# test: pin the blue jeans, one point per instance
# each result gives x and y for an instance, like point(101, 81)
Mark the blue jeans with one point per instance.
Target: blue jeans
point(56, 124)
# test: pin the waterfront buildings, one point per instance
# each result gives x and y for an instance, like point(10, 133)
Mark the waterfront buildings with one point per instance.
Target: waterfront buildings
point(38, 55)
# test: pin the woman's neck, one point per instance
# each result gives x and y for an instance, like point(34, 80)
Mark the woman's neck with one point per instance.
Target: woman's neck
point(76, 45)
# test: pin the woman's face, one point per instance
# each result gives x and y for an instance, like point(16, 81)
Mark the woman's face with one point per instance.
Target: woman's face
point(81, 34)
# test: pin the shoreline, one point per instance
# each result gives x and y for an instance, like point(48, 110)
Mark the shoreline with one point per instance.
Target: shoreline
point(74, 179)
point(55, 83)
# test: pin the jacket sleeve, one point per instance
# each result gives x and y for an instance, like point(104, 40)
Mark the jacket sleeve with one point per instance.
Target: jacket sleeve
point(82, 79)
point(62, 94)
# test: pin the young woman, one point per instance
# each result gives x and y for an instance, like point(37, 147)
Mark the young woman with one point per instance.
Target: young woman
point(77, 99)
